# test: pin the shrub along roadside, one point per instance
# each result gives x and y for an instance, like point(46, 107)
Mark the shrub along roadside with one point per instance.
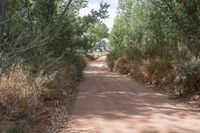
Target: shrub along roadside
point(41, 61)
point(176, 80)
point(31, 101)
point(158, 41)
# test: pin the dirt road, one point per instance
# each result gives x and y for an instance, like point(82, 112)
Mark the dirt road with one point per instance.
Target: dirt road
point(111, 103)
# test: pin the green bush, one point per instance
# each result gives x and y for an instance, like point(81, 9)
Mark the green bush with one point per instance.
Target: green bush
point(110, 60)
point(80, 64)
point(133, 53)
point(188, 79)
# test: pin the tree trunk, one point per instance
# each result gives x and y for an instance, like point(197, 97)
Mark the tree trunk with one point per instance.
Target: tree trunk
point(2, 8)
point(66, 8)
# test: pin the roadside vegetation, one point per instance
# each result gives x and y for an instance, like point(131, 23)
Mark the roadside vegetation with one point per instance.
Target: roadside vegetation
point(42, 55)
point(158, 42)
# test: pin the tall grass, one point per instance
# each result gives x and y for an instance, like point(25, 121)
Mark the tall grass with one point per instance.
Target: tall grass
point(18, 95)
point(24, 95)
point(175, 76)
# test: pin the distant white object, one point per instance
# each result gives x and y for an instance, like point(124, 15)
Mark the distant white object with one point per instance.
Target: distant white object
point(98, 50)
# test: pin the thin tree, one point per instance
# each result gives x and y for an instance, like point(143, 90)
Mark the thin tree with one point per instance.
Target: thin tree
point(2, 7)
point(66, 8)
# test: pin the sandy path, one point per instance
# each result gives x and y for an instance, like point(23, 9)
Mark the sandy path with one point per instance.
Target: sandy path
point(111, 103)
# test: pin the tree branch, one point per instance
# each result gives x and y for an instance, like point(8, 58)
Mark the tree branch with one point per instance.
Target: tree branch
point(66, 9)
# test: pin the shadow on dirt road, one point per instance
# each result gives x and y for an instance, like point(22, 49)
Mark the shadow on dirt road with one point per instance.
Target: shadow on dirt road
point(111, 103)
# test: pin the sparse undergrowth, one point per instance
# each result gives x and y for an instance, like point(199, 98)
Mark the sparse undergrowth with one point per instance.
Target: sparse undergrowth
point(37, 102)
point(176, 80)
point(90, 57)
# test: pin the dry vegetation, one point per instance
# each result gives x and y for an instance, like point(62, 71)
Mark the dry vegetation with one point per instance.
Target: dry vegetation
point(41, 59)
point(157, 41)
point(28, 101)
point(165, 75)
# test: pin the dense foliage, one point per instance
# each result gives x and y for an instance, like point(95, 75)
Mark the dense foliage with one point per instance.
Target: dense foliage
point(159, 37)
point(42, 46)
point(37, 30)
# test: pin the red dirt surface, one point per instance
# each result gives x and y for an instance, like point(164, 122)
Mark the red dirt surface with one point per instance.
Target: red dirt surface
point(111, 103)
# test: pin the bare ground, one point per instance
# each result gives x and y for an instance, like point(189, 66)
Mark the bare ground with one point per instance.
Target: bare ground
point(111, 103)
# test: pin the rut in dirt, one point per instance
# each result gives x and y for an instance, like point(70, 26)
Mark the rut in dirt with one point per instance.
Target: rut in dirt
point(112, 103)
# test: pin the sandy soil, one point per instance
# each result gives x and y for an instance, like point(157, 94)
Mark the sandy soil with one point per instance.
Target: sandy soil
point(111, 103)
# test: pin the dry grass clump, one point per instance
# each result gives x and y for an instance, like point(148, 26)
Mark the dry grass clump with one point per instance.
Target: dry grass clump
point(18, 95)
point(58, 96)
point(18, 98)
point(90, 57)
point(171, 78)
point(156, 71)
point(30, 103)
point(123, 66)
